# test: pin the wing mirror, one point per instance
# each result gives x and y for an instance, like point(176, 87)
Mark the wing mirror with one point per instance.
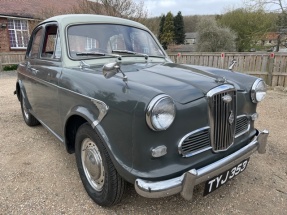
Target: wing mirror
point(111, 69)
point(233, 62)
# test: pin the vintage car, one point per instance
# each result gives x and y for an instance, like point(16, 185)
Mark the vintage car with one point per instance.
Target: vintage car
point(105, 87)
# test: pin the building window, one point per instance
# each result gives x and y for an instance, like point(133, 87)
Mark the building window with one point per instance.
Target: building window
point(18, 33)
point(91, 44)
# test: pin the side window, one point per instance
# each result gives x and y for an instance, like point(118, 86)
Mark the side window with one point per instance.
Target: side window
point(51, 46)
point(36, 44)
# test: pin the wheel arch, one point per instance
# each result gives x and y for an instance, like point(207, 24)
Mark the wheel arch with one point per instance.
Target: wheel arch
point(75, 118)
point(72, 124)
point(20, 91)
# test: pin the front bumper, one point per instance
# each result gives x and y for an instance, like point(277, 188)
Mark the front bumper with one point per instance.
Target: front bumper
point(185, 183)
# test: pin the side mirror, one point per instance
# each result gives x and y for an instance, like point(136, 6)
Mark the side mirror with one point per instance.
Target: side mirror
point(111, 69)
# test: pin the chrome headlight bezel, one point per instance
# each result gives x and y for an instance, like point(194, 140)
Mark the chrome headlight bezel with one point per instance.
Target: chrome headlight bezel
point(152, 108)
point(258, 90)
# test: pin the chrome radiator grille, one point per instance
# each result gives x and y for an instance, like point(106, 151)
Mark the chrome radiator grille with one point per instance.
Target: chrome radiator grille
point(195, 142)
point(222, 116)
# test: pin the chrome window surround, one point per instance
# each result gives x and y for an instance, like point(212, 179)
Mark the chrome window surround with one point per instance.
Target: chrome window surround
point(248, 126)
point(150, 107)
point(218, 90)
point(197, 151)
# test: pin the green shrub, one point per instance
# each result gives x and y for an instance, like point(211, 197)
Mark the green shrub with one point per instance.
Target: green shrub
point(10, 67)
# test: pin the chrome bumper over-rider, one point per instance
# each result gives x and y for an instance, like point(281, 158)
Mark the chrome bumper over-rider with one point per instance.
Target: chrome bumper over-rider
point(185, 183)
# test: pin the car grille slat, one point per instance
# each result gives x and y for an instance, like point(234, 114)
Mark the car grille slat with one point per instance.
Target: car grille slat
point(242, 125)
point(222, 112)
point(193, 146)
point(195, 141)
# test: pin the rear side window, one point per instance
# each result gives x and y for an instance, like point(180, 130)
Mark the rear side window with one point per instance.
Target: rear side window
point(36, 44)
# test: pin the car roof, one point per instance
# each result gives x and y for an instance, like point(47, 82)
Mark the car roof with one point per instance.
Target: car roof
point(69, 19)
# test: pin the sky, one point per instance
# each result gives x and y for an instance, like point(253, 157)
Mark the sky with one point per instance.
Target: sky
point(190, 7)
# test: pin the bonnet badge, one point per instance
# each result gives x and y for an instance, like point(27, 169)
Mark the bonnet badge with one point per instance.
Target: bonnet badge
point(227, 98)
point(231, 118)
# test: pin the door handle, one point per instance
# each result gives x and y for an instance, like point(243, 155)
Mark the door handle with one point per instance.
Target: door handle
point(34, 70)
point(28, 65)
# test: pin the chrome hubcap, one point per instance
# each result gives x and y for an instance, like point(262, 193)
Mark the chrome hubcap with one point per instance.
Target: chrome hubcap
point(25, 110)
point(92, 164)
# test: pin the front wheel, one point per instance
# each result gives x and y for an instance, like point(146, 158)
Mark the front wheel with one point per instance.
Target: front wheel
point(98, 174)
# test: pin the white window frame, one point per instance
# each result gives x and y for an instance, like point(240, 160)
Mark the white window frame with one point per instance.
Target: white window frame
point(91, 44)
point(18, 46)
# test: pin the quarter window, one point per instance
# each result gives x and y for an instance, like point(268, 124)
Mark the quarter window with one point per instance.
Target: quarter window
point(51, 47)
point(18, 33)
point(36, 44)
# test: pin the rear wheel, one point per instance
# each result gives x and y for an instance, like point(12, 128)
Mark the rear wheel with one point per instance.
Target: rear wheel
point(29, 119)
point(98, 174)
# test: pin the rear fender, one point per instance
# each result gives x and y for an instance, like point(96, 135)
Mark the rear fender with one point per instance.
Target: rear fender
point(21, 92)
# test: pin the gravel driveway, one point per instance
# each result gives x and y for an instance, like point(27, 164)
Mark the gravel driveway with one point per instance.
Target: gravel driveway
point(38, 176)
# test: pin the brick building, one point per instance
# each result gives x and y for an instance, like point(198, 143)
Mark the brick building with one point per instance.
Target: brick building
point(18, 17)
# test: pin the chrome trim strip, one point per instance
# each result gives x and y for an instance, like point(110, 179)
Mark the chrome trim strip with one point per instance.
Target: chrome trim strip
point(95, 123)
point(248, 127)
point(48, 128)
point(187, 135)
point(220, 89)
point(197, 152)
point(62, 88)
point(102, 107)
point(185, 183)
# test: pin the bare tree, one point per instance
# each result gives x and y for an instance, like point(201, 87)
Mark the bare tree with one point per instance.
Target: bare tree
point(271, 5)
point(278, 6)
point(120, 8)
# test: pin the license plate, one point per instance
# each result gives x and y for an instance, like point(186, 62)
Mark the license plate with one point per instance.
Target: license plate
point(222, 178)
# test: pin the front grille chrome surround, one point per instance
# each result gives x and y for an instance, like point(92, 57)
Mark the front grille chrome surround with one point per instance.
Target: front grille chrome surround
point(195, 142)
point(222, 116)
point(242, 125)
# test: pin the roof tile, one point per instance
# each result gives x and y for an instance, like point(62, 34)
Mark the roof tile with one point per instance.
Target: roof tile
point(36, 8)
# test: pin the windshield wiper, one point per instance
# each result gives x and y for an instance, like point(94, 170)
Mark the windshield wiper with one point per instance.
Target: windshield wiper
point(98, 54)
point(130, 52)
point(90, 53)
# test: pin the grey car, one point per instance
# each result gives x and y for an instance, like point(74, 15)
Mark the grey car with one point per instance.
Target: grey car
point(105, 87)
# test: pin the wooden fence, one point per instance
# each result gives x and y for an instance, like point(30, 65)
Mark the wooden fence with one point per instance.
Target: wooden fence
point(11, 58)
point(271, 67)
point(268, 66)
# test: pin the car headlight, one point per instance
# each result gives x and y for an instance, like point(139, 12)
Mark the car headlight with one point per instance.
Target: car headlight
point(160, 113)
point(258, 91)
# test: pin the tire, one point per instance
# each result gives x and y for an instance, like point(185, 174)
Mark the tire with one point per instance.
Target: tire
point(98, 174)
point(29, 119)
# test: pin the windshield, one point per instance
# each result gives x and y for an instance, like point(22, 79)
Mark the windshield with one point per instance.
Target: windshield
point(104, 40)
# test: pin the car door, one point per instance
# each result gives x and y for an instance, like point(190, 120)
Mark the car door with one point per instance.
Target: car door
point(28, 70)
point(46, 69)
